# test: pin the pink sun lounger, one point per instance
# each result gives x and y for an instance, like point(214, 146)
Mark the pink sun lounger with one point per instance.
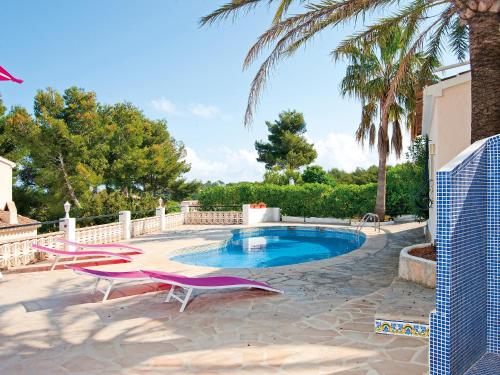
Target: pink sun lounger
point(214, 282)
point(188, 283)
point(76, 254)
point(115, 245)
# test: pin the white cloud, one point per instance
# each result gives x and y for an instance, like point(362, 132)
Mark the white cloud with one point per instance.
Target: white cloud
point(164, 105)
point(337, 150)
point(204, 111)
point(341, 151)
point(225, 164)
point(196, 109)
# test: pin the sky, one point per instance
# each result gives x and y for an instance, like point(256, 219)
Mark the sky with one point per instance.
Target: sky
point(154, 54)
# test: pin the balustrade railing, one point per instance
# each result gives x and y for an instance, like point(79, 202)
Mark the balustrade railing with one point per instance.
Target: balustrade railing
point(16, 241)
point(19, 252)
point(214, 217)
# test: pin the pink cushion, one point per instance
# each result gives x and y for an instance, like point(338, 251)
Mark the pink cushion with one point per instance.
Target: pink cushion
point(206, 282)
point(110, 274)
point(79, 253)
point(101, 246)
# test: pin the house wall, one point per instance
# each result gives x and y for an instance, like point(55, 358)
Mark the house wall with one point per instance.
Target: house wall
point(5, 181)
point(447, 123)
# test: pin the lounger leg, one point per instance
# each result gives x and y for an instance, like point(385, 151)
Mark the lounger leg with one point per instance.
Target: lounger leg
point(55, 262)
point(186, 299)
point(96, 285)
point(170, 294)
point(106, 295)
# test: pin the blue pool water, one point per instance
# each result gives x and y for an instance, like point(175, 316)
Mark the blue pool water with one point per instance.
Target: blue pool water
point(274, 246)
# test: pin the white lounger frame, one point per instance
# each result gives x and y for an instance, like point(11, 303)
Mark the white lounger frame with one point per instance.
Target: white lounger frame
point(57, 257)
point(111, 283)
point(189, 290)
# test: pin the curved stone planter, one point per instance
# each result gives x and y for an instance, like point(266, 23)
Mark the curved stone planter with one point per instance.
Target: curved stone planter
point(418, 270)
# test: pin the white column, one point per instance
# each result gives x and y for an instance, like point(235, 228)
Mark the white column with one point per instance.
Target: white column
point(273, 214)
point(184, 211)
point(246, 214)
point(68, 225)
point(126, 219)
point(160, 211)
point(184, 208)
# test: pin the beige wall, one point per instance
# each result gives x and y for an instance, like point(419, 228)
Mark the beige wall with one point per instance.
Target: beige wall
point(447, 122)
point(5, 181)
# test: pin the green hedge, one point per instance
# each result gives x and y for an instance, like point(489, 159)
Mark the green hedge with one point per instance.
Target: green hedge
point(323, 200)
point(312, 200)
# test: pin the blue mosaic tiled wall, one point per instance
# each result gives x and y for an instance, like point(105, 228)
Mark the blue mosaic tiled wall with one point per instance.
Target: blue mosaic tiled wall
point(465, 324)
point(493, 148)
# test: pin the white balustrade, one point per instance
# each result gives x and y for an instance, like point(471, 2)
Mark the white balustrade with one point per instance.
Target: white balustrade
point(18, 252)
point(214, 217)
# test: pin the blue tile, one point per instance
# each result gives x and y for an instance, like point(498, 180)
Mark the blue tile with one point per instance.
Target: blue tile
point(466, 324)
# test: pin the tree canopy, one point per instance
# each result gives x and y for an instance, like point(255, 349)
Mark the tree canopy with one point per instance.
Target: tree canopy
point(287, 147)
point(359, 176)
point(316, 174)
point(99, 157)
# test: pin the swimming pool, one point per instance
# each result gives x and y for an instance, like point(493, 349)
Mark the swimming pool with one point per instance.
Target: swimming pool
point(274, 246)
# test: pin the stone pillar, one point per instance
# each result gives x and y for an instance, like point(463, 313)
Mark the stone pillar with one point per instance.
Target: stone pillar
point(160, 211)
point(184, 207)
point(68, 225)
point(126, 219)
point(246, 214)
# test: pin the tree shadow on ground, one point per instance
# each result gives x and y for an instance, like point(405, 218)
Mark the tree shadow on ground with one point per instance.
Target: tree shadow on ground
point(324, 321)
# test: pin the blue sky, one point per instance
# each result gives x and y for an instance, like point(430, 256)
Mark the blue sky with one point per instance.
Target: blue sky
point(153, 54)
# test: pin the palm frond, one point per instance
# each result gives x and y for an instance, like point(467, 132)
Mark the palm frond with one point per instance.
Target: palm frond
point(383, 141)
point(366, 128)
point(288, 31)
point(410, 16)
point(459, 38)
point(397, 138)
point(372, 135)
point(294, 31)
point(231, 9)
point(282, 10)
point(443, 21)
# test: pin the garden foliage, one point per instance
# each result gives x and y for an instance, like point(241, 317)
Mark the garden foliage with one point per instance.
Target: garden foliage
point(101, 158)
point(323, 200)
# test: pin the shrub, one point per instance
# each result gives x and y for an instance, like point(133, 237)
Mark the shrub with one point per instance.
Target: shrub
point(400, 189)
point(315, 173)
point(316, 200)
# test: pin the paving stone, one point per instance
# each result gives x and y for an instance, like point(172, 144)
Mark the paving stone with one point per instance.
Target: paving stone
point(323, 324)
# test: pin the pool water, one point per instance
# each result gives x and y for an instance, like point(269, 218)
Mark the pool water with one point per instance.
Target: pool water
point(274, 246)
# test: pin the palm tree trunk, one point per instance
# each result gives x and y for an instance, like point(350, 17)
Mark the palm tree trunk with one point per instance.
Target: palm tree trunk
point(383, 144)
point(484, 38)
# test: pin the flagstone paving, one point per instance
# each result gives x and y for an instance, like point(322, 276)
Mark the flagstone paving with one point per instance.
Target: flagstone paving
point(323, 324)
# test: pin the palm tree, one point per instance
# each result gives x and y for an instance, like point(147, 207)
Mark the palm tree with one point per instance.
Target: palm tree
point(465, 25)
point(369, 76)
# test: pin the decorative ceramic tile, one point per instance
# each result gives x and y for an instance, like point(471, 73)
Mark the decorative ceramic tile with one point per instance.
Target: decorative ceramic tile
point(397, 327)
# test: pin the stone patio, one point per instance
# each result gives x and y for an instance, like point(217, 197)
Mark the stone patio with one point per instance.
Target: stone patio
point(323, 324)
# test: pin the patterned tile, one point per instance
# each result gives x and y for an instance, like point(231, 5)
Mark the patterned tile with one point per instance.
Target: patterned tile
point(397, 327)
